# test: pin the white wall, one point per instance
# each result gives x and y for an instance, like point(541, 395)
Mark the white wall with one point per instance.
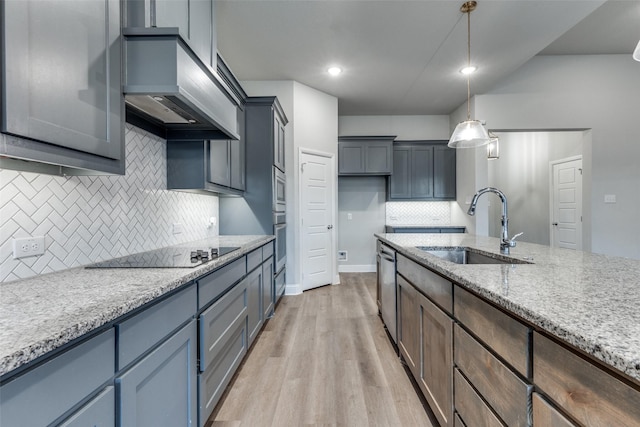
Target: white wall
point(313, 124)
point(597, 92)
point(404, 127)
point(363, 198)
point(522, 174)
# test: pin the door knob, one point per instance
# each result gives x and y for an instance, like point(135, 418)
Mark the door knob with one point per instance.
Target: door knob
point(329, 227)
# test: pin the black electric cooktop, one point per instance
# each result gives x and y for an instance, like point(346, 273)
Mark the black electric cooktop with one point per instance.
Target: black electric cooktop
point(170, 257)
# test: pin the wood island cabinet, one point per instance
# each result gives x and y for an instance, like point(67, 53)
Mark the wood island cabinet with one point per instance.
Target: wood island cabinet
point(478, 364)
point(425, 339)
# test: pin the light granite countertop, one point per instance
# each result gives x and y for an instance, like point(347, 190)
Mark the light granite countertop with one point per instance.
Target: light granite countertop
point(588, 300)
point(43, 313)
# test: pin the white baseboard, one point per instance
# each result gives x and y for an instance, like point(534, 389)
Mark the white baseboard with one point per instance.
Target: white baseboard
point(293, 289)
point(357, 268)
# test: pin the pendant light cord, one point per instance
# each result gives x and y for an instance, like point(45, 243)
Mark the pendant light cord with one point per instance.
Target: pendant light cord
point(469, 65)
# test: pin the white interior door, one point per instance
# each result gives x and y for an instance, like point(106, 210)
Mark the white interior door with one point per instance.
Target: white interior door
point(566, 219)
point(316, 188)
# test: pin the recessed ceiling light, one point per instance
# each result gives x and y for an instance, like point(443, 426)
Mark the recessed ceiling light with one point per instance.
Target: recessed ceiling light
point(469, 70)
point(334, 71)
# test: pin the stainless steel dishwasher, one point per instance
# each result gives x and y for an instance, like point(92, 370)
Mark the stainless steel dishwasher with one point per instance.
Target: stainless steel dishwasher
point(387, 283)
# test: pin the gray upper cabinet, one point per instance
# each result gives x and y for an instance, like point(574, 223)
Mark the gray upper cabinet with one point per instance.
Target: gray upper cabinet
point(193, 18)
point(62, 85)
point(208, 166)
point(365, 155)
point(278, 142)
point(422, 170)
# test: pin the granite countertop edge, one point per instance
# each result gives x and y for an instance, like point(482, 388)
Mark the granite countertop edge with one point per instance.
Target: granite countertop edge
point(74, 329)
point(600, 348)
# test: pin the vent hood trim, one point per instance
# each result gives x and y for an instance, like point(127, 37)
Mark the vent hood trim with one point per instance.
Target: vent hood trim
point(160, 64)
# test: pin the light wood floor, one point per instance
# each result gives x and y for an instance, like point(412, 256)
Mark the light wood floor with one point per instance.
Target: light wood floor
point(324, 359)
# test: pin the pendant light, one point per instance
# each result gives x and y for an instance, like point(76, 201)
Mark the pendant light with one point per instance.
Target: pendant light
point(636, 53)
point(470, 133)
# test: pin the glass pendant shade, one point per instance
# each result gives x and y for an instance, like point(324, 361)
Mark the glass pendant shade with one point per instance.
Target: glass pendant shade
point(469, 134)
point(636, 53)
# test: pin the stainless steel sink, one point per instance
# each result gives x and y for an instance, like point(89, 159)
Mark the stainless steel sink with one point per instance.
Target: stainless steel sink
point(468, 256)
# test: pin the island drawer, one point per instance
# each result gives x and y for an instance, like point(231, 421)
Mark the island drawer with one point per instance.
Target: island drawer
point(434, 286)
point(583, 390)
point(470, 405)
point(141, 332)
point(545, 415)
point(508, 337)
point(500, 387)
point(213, 285)
point(254, 259)
point(220, 320)
point(47, 391)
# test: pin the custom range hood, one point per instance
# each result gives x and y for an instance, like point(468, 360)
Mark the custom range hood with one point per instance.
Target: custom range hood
point(165, 83)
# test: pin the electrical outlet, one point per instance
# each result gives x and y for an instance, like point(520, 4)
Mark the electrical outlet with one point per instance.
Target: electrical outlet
point(342, 255)
point(349, 216)
point(28, 246)
point(177, 228)
point(609, 198)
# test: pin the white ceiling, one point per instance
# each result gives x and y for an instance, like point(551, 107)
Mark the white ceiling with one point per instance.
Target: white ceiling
point(403, 57)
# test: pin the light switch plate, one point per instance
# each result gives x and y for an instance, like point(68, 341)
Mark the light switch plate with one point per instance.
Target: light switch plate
point(177, 228)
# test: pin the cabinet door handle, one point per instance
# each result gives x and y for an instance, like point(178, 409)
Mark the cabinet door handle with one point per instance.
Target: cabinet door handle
point(329, 227)
point(555, 223)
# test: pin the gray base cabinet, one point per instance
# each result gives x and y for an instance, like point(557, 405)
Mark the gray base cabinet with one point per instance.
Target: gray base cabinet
point(365, 155)
point(268, 290)
point(99, 412)
point(422, 170)
point(223, 344)
point(68, 106)
point(160, 390)
point(254, 303)
point(45, 393)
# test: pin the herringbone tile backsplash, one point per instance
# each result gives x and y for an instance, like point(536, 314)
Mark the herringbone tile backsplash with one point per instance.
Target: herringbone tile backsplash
point(93, 218)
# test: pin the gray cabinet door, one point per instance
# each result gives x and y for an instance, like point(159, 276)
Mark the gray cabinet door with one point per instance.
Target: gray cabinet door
point(219, 163)
point(99, 412)
point(268, 290)
point(422, 172)
point(279, 143)
point(46, 392)
point(62, 76)
point(400, 181)
point(444, 172)
point(350, 158)
point(254, 303)
point(365, 155)
point(161, 390)
point(237, 157)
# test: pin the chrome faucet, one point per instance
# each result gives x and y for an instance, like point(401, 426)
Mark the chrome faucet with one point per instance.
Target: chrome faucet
point(505, 242)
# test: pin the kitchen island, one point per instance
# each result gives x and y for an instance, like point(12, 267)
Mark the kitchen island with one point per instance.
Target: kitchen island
point(582, 302)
